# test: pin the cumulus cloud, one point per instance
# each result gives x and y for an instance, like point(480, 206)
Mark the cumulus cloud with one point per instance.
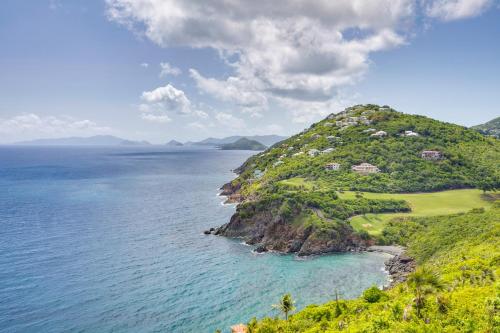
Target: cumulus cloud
point(167, 69)
point(31, 126)
point(298, 50)
point(144, 65)
point(169, 98)
point(449, 10)
point(294, 53)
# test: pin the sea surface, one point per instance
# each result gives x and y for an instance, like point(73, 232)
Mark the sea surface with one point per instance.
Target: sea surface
point(111, 240)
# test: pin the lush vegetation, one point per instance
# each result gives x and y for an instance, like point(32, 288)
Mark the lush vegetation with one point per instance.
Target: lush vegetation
point(454, 289)
point(243, 144)
point(422, 204)
point(291, 179)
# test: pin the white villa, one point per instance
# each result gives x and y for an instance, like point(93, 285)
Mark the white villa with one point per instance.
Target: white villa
point(275, 164)
point(365, 168)
point(298, 154)
point(379, 134)
point(327, 150)
point(410, 133)
point(332, 166)
point(431, 155)
point(313, 152)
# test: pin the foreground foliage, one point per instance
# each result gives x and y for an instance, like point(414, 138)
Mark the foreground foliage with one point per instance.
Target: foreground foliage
point(454, 289)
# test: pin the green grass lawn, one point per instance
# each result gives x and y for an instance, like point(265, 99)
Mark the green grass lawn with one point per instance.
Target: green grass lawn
point(422, 204)
point(297, 182)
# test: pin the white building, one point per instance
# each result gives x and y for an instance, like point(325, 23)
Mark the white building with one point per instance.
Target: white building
point(379, 134)
point(327, 150)
point(313, 152)
point(365, 168)
point(332, 166)
point(431, 155)
point(410, 133)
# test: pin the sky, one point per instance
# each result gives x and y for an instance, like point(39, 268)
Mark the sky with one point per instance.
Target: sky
point(158, 70)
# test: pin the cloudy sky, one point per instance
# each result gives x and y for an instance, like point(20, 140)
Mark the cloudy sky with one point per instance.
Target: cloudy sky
point(185, 70)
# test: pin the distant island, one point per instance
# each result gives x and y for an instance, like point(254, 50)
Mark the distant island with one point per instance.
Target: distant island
point(174, 143)
point(491, 127)
point(243, 144)
point(97, 140)
point(266, 140)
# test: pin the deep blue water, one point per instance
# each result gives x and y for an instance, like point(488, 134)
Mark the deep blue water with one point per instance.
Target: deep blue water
point(110, 240)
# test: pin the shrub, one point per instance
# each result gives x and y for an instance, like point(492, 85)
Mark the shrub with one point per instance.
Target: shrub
point(373, 294)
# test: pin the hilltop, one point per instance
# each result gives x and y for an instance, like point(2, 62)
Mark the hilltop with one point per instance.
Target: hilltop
point(243, 144)
point(291, 195)
point(492, 127)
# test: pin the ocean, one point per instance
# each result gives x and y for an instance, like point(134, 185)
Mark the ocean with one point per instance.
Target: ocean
point(110, 239)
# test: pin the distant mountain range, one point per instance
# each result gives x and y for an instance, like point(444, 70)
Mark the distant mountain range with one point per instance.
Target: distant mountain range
point(243, 144)
point(267, 140)
point(492, 127)
point(97, 140)
point(174, 143)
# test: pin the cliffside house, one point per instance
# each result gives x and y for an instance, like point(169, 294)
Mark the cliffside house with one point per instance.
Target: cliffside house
point(379, 134)
point(365, 168)
point(257, 174)
point(431, 155)
point(327, 150)
point(313, 152)
point(275, 164)
point(240, 328)
point(410, 133)
point(332, 166)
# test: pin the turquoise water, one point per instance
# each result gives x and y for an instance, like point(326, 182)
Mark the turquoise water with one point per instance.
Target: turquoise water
point(110, 240)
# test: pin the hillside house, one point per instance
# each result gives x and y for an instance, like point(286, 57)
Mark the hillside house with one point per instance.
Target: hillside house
point(278, 163)
point(327, 150)
point(369, 130)
point(258, 174)
point(410, 133)
point(365, 168)
point(431, 155)
point(298, 154)
point(313, 152)
point(379, 134)
point(332, 166)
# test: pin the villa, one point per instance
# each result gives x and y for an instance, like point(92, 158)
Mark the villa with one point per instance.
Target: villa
point(313, 152)
point(379, 134)
point(410, 133)
point(332, 166)
point(327, 150)
point(431, 155)
point(365, 168)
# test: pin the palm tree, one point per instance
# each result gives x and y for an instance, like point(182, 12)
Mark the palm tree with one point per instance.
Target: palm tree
point(423, 282)
point(285, 305)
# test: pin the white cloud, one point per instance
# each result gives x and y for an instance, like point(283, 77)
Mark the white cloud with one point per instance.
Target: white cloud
point(169, 98)
point(33, 126)
point(144, 65)
point(298, 50)
point(230, 121)
point(449, 10)
point(167, 69)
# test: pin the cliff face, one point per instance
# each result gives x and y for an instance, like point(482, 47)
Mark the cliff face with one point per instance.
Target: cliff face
point(273, 231)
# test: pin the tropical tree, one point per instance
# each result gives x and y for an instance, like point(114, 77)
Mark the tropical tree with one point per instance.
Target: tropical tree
point(423, 282)
point(286, 305)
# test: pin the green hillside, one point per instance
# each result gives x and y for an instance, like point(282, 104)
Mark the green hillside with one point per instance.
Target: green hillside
point(300, 194)
point(455, 287)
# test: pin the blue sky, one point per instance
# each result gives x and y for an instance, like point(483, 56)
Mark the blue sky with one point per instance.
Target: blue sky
point(79, 68)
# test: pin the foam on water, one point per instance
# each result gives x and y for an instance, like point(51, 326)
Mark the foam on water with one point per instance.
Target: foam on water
point(111, 240)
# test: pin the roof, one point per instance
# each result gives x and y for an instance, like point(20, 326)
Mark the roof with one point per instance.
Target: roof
point(240, 328)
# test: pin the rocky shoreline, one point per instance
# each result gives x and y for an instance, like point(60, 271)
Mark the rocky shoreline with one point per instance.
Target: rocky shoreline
point(270, 233)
